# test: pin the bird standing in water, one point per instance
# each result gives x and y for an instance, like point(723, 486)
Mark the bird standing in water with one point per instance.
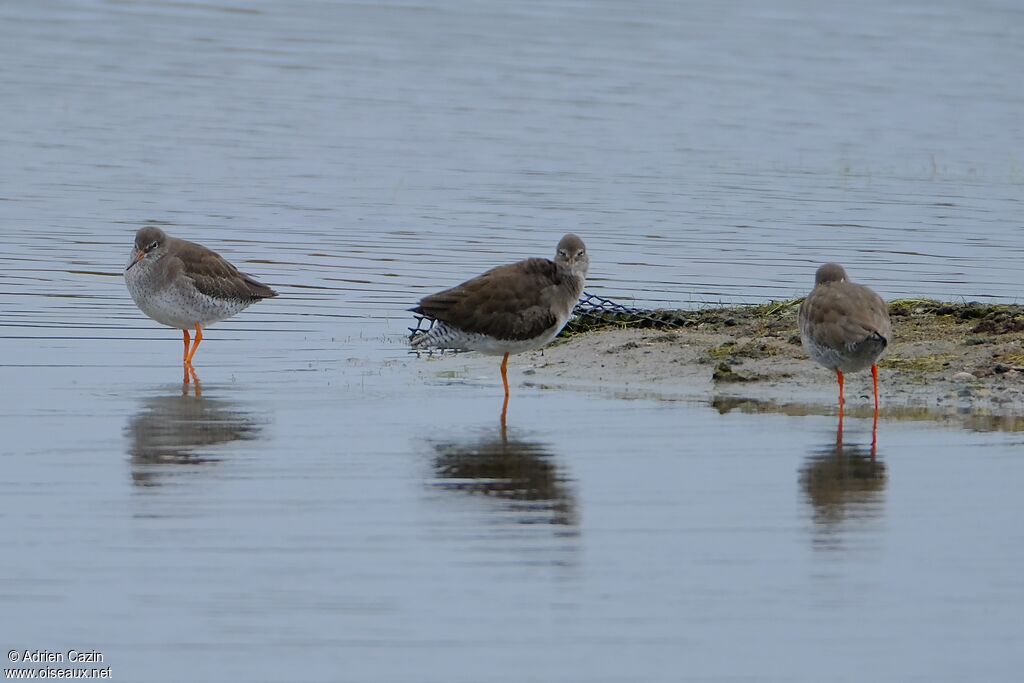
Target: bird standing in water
point(186, 286)
point(844, 326)
point(509, 309)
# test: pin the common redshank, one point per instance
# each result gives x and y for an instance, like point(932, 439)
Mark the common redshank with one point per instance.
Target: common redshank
point(509, 309)
point(844, 326)
point(187, 286)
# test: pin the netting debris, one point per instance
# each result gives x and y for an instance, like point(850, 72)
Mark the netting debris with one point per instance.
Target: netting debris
point(594, 311)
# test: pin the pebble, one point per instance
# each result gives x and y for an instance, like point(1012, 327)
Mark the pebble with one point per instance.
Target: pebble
point(963, 377)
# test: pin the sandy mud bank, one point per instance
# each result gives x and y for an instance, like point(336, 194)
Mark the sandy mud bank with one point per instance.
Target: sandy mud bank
point(957, 360)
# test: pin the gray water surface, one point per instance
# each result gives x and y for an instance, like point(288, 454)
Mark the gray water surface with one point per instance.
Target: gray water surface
point(330, 508)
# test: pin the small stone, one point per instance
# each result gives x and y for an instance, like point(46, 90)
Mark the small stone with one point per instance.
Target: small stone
point(963, 377)
point(965, 393)
point(1001, 368)
point(529, 371)
point(724, 373)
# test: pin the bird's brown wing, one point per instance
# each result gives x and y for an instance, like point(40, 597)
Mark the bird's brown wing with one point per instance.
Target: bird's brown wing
point(510, 302)
point(215, 276)
point(845, 313)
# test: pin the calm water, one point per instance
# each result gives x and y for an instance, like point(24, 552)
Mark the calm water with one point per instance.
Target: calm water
point(333, 509)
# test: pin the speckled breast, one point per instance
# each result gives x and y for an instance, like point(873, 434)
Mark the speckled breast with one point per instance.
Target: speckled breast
point(178, 303)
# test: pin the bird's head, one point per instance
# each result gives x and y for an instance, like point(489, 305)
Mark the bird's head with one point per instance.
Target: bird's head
point(830, 272)
point(149, 244)
point(572, 254)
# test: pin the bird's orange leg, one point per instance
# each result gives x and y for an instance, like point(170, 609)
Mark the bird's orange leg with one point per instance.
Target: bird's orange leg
point(504, 380)
point(874, 424)
point(842, 381)
point(874, 377)
point(199, 338)
point(839, 432)
point(188, 339)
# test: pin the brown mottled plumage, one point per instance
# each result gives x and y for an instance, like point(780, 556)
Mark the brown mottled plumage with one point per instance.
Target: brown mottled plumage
point(844, 326)
point(511, 302)
point(211, 273)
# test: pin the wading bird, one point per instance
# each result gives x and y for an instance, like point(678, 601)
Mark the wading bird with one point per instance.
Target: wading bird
point(186, 286)
point(844, 326)
point(509, 309)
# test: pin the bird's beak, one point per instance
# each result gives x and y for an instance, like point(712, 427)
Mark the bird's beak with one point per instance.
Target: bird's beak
point(138, 257)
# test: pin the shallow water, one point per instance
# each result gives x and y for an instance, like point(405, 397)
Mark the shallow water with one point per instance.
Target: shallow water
point(331, 508)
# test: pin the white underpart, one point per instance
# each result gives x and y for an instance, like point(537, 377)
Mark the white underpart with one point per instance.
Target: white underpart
point(177, 303)
point(445, 336)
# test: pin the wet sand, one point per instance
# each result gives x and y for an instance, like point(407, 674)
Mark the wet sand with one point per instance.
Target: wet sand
point(946, 359)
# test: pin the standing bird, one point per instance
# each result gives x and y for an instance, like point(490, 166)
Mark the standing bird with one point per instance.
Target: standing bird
point(509, 309)
point(185, 285)
point(844, 326)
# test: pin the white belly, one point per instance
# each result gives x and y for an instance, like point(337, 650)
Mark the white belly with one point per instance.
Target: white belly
point(444, 336)
point(499, 347)
point(179, 305)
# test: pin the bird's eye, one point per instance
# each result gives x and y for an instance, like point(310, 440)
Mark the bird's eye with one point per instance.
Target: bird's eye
point(150, 248)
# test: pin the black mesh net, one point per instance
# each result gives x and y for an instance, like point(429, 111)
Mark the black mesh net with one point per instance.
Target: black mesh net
point(594, 311)
point(422, 325)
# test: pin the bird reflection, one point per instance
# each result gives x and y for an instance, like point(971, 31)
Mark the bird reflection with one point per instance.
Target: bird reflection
point(176, 430)
point(844, 481)
point(524, 473)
